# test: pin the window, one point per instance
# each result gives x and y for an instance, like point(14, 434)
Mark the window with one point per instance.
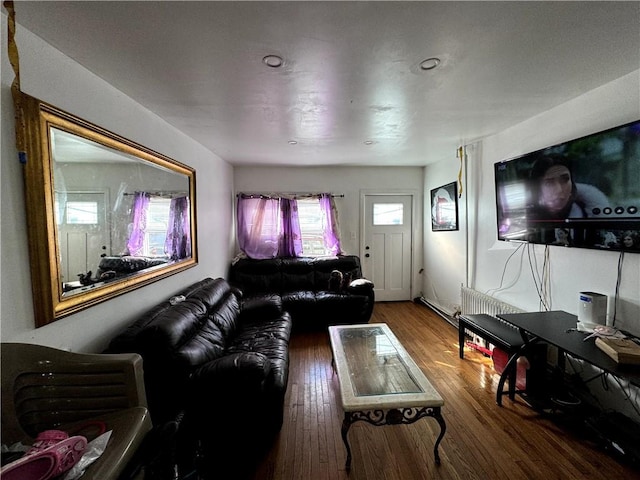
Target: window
point(283, 226)
point(388, 214)
point(310, 217)
point(155, 234)
point(82, 213)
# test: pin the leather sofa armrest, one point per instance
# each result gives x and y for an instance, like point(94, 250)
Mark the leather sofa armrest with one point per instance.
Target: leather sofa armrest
point(236, 370)
point(256, 308)
point(360, 286)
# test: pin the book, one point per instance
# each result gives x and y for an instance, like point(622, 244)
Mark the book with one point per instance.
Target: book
point(622, 350)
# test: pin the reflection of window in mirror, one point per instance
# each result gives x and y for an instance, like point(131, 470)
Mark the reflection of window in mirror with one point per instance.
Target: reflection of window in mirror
point(82, 213)
point(155, 234)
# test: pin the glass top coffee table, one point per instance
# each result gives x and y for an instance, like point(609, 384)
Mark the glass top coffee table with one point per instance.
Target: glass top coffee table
point(379, 382)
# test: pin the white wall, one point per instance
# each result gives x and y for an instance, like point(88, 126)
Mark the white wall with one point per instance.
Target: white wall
point(56, 79)
point(572, 270)
point(444, 251)
point(352, 182)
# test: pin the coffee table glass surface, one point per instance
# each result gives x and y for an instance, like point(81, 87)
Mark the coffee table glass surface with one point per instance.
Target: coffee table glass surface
point(375, 371)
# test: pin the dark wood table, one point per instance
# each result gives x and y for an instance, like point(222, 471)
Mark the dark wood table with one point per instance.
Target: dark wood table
point(558, 328)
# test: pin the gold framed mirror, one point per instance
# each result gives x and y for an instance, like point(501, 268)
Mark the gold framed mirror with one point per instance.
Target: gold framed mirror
point(105, 215)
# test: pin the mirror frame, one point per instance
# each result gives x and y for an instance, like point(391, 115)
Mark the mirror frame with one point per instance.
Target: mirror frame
point(49, 304)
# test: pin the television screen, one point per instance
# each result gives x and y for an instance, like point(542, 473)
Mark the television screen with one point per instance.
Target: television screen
point(581, 193)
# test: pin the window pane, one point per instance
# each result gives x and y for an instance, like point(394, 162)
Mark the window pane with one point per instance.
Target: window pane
point(155, 234)
point(388, 214)
point(82, 213)
point(310, 217)
point(158, 214)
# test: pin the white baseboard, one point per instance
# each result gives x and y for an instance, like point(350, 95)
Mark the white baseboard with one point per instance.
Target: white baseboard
point(439, 310)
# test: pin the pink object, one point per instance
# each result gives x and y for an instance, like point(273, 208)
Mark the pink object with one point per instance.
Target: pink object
point(52, 454)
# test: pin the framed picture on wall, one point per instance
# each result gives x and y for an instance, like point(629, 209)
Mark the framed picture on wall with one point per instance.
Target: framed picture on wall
point(444, 208)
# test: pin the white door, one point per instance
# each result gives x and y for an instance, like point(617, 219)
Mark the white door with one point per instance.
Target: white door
point(386, 258)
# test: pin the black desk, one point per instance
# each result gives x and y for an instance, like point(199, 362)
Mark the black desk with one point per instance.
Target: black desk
point(557, 328)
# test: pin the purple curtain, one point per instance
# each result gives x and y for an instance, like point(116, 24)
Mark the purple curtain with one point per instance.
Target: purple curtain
point(135, 244)
point(270, 227)
point(178, 242)
point(330, 231)
point(291, 238)
point(258, 226)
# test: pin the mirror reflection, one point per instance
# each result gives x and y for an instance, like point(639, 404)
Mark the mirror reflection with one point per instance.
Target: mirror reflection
point(116, 216)
point(105, 215)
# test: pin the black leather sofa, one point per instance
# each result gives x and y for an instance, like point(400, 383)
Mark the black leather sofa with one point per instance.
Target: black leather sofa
point(216, 362)
point(306, 290)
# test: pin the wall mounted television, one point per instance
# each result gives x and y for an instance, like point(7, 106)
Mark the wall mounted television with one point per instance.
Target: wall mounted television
point(582, 193)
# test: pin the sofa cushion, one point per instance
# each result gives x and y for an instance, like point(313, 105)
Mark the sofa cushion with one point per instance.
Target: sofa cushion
point(260, 307)
point(241, 370)
point(173, 327)
point(257, 276)
point(297, 274)
point(216, 292)
point(271, 340)
point(225, 315)
point(208, 344)
point(300, 305)
point(339, 309)
point(126, 341)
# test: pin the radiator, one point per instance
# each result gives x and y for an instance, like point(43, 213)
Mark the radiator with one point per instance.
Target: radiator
point(474, 302)
point(477, 302)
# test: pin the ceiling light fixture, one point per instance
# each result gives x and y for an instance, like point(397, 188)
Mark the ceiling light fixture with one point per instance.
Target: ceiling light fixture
point(368, 142)
point(292, 142)
point(429, 63)
point(273, 61)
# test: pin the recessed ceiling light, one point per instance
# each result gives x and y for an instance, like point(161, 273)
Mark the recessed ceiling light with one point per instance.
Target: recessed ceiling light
point(368, 142)
point(429, 63)
point(273, 61)
point(292, 142)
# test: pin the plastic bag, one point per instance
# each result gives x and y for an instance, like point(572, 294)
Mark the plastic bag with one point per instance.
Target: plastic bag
point(95, 448)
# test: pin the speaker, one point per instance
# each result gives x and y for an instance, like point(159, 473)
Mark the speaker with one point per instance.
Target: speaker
point(592, 308)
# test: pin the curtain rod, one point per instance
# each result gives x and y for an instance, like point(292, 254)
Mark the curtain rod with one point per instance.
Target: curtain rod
point(286, 195)
point(161, 193)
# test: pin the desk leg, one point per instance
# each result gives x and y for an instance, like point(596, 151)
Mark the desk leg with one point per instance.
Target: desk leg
point(511, 369)
point(461, 339)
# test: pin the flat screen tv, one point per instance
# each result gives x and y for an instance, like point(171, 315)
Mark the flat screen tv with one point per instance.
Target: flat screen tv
point(581, 193)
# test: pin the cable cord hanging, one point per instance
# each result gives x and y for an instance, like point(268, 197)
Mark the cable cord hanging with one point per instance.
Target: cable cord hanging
point(537, 281)
point(617, 294)
point(462, 155)
point(14, 59)
point(504, 271)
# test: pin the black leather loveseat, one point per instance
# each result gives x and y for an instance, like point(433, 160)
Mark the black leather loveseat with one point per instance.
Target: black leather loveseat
point(219, 364)
point(306, 288)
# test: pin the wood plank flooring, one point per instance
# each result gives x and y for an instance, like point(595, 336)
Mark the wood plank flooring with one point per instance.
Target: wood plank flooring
point(482, 441)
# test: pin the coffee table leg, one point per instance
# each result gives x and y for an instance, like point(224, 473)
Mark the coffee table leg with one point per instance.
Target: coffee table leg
point(346, 424)
point(443, 428)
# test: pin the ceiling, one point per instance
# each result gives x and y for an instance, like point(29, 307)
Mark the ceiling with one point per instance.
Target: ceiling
point(351, 70)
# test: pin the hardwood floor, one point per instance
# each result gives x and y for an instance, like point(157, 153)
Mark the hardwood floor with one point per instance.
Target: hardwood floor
point(482, 441)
